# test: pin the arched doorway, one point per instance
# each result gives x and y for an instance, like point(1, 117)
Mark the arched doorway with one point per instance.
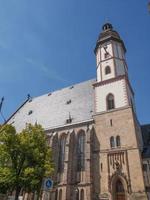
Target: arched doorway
point(119, 191)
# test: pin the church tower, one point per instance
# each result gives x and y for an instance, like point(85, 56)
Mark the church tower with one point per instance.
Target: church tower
point(116, 125)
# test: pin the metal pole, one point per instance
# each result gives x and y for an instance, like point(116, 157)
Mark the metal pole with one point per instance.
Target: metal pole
point(1, 104)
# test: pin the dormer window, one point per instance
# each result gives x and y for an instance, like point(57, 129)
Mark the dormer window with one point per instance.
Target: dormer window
point(68, 121)
point(69, 101)
point(30, 112)
point(107, 70)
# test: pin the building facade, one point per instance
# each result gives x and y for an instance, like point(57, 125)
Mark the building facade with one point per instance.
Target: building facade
point(100, 150)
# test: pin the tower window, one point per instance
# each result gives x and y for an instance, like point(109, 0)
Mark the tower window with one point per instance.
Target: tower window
point(101, 166)
point(112, 142)
point(107, 70)
point(110, 102)
point(118, 143)
point(111, 123)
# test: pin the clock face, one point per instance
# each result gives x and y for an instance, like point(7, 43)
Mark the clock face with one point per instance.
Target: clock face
point(106, 54)
point(105, 48)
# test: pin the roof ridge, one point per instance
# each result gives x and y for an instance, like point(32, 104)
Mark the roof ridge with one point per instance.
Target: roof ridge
point(73, 85)
point(17, 110)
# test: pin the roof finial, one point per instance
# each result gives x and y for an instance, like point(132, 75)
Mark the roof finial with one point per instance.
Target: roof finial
point(106, 20)
point(28, 96)
point(107, 26)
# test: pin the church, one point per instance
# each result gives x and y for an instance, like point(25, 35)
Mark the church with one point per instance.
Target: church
point(100, 150)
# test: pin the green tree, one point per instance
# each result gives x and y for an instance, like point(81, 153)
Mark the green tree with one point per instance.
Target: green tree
point(25, 158)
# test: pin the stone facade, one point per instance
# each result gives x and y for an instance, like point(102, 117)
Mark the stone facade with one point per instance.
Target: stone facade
point(124, 161)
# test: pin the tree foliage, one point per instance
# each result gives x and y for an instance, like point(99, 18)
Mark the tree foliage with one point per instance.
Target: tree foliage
point(25, 158)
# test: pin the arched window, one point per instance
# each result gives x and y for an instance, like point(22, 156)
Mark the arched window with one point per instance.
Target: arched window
point(118, 143)
point(62, 144)
point(80, 151)
point(112, 142)
point(110, 102)
point(82, 195)
point(107, 70)
point(60, 194)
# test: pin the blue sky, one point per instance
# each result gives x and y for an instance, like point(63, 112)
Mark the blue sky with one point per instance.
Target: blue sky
point(48, 44)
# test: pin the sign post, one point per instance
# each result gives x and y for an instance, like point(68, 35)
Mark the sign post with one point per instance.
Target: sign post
point(47, 186)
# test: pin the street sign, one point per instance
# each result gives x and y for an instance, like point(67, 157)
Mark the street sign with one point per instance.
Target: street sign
point(48, 184)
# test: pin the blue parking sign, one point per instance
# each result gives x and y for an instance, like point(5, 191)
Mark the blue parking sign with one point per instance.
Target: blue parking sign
point(48, 183)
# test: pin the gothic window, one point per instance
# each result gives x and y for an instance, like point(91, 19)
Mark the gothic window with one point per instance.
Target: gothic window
point(80, 151)
point(60, 194)
point(107, 70)
point(118, 143)
point(82, 195)
point(56, 194)
point(110, 102)
point(77, 194)
point(112, 142)
point(62, 144)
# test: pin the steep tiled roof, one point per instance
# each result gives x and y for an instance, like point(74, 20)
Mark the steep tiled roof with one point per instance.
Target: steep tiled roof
point(53, 109)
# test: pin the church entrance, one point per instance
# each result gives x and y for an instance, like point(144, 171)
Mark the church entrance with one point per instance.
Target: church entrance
point(119, 191)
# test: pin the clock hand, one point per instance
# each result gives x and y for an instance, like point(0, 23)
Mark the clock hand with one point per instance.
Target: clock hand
point(105, 48)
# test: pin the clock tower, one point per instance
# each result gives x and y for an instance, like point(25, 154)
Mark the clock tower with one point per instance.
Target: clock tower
point(116, 126)
point(111, 67)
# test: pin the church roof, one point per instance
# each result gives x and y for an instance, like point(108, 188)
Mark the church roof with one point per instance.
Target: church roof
point(73, 104)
